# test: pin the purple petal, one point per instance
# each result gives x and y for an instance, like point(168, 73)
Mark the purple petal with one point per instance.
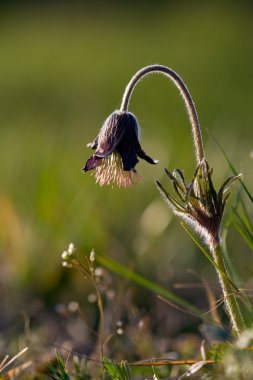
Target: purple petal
point(129, 160)
point(111, 133)
point(145, 157)
point(92, 163)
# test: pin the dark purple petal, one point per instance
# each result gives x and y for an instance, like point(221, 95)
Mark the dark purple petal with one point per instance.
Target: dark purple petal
point(92, 163)
point(129, 158)
point(145, 157)
point(111, 133)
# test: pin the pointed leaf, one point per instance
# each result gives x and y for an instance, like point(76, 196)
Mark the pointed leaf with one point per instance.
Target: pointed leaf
point(214, 198)
point(169, 174)
point(110, 368)
point(226, 185)
point(224, 203)
point(179, 190)
point(169, 199)
point(179, 178)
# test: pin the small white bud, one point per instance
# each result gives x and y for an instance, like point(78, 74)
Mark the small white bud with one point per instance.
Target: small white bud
point(120, 331)
point(92, 256)
point(92, 298)
point(119, 323)
point(66, 264)
point(99, 272)
point(73, 306)
point(71, 248)
point(64, 255)
point(141, 324)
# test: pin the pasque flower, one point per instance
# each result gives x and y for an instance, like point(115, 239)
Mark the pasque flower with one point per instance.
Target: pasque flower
point(117, 147)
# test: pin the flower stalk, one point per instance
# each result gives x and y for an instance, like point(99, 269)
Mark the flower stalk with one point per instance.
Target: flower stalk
point(230, 300)
point(189, 104)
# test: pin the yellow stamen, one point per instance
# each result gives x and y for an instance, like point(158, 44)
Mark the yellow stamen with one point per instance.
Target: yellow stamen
point(111, 171)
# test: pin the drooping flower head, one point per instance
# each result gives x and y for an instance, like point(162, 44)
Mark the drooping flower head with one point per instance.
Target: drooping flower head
point(117, 147)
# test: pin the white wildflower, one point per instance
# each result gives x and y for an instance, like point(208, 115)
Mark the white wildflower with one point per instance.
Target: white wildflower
point(99, 272)
point(66, 264)
point(92, 256)
point(71, 249)
point(73, 306)
point(120, 331)
point(64, 255)
point(92, 298)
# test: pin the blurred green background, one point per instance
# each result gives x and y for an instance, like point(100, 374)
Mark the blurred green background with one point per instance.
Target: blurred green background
point(63, 69)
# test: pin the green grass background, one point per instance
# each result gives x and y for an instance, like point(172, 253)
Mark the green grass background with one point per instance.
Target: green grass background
point(63, 69)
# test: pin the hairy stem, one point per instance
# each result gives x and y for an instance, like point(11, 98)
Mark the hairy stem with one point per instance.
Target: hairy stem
point(231, 304)
point(192, 113)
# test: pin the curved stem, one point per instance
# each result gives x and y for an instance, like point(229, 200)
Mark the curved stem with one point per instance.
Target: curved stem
point(192, 113)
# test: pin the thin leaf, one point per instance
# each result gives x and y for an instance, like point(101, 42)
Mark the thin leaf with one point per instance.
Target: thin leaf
point(110, 368)
point(4, 364)
point(208, 256)
point(117, 371)
point(180, 173)
point(245, 215)
point(242, 222)
point(169, 199)
point(213, 199)
point(246, 235)
point(233, 272)
point(193, 369)
point(179, 189)
point(169, 174)
point(179, 184)
point(226, 185)
point(224, 202)
point(232, 168)
point(148, 284)
point(180, 193)
point(59, 372)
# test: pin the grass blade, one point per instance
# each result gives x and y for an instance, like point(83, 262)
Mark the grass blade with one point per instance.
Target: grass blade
point(231, 166)
point(148, 284)
point(208, 256)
